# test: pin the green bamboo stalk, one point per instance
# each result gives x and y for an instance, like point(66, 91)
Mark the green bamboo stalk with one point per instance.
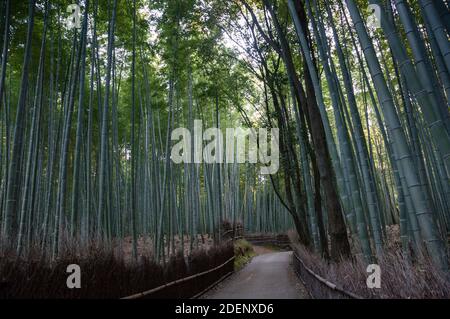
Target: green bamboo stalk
point(102, 213)
point(404, 156)
point(14, 172)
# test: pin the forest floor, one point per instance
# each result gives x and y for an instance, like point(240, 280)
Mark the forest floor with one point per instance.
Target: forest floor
point(269, 275)
point(261, 250)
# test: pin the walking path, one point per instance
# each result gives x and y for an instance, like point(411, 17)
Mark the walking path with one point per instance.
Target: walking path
point(267, 276)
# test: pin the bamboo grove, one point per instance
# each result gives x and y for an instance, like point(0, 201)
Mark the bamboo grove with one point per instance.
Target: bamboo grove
point(85, 152)
point(363, 111)
point(359, 91)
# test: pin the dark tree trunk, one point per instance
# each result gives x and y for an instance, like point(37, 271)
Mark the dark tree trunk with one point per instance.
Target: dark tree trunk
point(340, 247)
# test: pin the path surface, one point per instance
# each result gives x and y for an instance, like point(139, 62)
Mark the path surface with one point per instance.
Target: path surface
point(267, 276)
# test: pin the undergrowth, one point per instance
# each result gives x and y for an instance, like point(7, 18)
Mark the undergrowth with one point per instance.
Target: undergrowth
point(107, 275)
point(243, 251)
point(400, 277)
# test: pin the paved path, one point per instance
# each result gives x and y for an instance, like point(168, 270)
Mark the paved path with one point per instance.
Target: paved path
point(268, 276)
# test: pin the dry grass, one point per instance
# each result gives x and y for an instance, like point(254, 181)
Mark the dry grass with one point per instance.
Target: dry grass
point(400, 278)
point(106, 274)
